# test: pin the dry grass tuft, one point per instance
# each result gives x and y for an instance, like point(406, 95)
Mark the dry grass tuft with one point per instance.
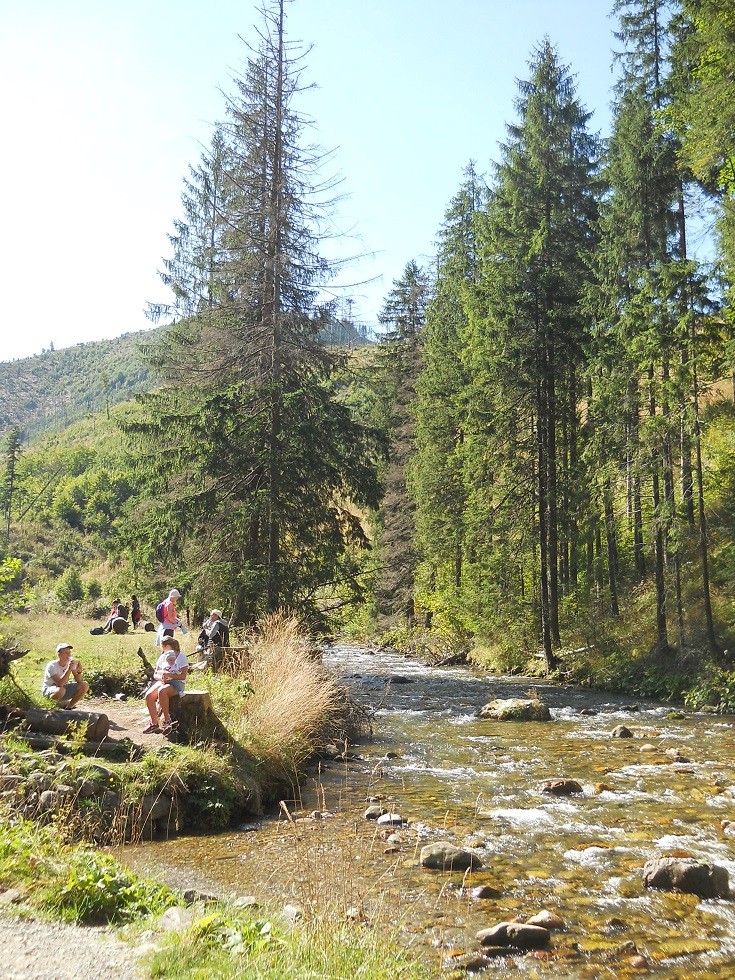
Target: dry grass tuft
point(294, 699)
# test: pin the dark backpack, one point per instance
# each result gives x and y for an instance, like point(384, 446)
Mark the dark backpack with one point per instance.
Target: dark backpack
point(159, 611)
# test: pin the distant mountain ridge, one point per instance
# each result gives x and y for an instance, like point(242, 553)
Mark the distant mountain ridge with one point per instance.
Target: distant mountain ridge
point(53, 389)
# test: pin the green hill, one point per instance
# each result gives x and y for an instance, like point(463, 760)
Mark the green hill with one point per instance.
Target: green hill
point(51, 390)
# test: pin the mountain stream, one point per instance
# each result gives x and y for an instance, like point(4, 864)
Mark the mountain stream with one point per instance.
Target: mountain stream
point(478, 784)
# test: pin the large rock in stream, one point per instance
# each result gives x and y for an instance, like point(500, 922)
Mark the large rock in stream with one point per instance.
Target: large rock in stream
point(444, 856)
point(518, 934)
point(515, 709)
point(687, 875)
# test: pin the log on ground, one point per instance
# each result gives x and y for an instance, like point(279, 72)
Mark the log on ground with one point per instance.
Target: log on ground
point(93, 726)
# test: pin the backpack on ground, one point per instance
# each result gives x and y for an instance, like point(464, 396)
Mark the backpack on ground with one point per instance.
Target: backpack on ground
point(159, 611)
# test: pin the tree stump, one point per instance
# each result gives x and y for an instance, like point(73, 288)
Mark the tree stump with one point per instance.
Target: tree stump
point(59, 722)
point(7, 657)
point(194, 714)
point(119, 625)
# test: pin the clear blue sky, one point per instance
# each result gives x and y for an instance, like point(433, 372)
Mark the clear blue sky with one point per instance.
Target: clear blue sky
point(106, 103)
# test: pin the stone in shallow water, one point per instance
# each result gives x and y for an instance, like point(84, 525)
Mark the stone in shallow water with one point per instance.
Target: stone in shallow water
point(621, 731)
point(485, 891)
point(687, 875)
point(444, 856)
point(518, 934)
point(391, 820)
point(515, 709)
point(546, 919)
point(373, 812)
point(562, 787)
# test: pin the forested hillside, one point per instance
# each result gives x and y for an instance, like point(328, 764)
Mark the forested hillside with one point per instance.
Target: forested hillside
point(536, 461)
point(53, 389)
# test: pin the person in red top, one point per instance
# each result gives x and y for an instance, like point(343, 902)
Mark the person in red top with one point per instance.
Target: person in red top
point(171, 620)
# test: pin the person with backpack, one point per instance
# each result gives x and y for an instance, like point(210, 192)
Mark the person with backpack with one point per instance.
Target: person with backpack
point(168, 617)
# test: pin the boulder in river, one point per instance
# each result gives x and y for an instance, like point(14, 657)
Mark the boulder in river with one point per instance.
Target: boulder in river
point(391, 820)
point(562, 787)
point(687, 875)
point(621, 731)
point(515, 709)
point(548, 919)
point(518, 934)
point(444, 856)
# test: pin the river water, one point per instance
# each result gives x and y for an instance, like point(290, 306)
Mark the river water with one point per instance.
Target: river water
point(478, 784)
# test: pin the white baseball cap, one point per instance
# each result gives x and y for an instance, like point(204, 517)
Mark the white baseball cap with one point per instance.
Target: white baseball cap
point(64, 646)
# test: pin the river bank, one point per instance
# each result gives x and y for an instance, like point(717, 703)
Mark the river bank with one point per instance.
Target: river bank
point(448, 776)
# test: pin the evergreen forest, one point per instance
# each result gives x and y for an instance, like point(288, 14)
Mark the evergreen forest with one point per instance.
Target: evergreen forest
point(533, 463)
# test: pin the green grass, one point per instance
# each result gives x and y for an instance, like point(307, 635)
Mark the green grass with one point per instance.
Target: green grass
point(40, 634)
point(228, 944)
point(73, 883)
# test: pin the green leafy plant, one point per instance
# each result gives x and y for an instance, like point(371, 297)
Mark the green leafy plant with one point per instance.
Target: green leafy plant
point(98, 889)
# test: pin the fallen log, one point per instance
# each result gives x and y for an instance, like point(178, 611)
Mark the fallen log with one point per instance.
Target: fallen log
point(58, 721)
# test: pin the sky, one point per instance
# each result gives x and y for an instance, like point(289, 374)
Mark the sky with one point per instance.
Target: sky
point(106, 103)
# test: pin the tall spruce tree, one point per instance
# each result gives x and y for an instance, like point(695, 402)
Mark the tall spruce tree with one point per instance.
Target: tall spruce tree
point(648, 287)
point(258, 464)
point(397, 367)
point(528, 341)
point(437, 473)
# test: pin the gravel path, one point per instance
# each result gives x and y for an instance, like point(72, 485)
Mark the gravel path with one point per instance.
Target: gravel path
point(56, 951)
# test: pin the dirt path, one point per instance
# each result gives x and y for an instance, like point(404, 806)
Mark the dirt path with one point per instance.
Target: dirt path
point(57, 951)
point(127, 719)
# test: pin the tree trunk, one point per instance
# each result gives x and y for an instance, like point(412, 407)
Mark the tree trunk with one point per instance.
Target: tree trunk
point(57, 721)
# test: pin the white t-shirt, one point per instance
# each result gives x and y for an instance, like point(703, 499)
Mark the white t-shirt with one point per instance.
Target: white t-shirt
point(53, 674)
point(163, 664)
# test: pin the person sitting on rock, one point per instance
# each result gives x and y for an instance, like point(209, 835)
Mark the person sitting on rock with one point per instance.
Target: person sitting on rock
point(62, 678)
point(112, 616)
point(169, 679)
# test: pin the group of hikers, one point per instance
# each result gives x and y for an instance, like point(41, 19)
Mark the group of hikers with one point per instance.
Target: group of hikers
point(64, 684)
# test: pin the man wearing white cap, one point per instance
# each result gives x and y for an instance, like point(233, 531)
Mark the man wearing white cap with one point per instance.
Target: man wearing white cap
point(62, 679)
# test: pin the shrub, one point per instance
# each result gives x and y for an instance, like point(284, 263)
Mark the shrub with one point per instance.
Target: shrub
point(92, 590)
point(69, 587)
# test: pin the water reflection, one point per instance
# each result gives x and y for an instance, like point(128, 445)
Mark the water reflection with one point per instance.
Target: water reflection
point(479, 784)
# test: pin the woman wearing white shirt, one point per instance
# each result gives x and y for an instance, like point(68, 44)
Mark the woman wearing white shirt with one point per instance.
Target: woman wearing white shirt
point(169, 678)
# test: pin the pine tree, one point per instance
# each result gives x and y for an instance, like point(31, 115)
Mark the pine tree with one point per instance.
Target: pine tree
point(13, 449)
point(258, 491)
point(436, 477)
point(646, 291)
point(398, 362)
point(528, 341)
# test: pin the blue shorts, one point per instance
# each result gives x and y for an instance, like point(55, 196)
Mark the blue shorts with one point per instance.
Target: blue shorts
point(178, 686)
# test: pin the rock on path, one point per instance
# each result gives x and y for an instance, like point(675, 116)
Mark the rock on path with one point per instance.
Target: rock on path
point(57, 951)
